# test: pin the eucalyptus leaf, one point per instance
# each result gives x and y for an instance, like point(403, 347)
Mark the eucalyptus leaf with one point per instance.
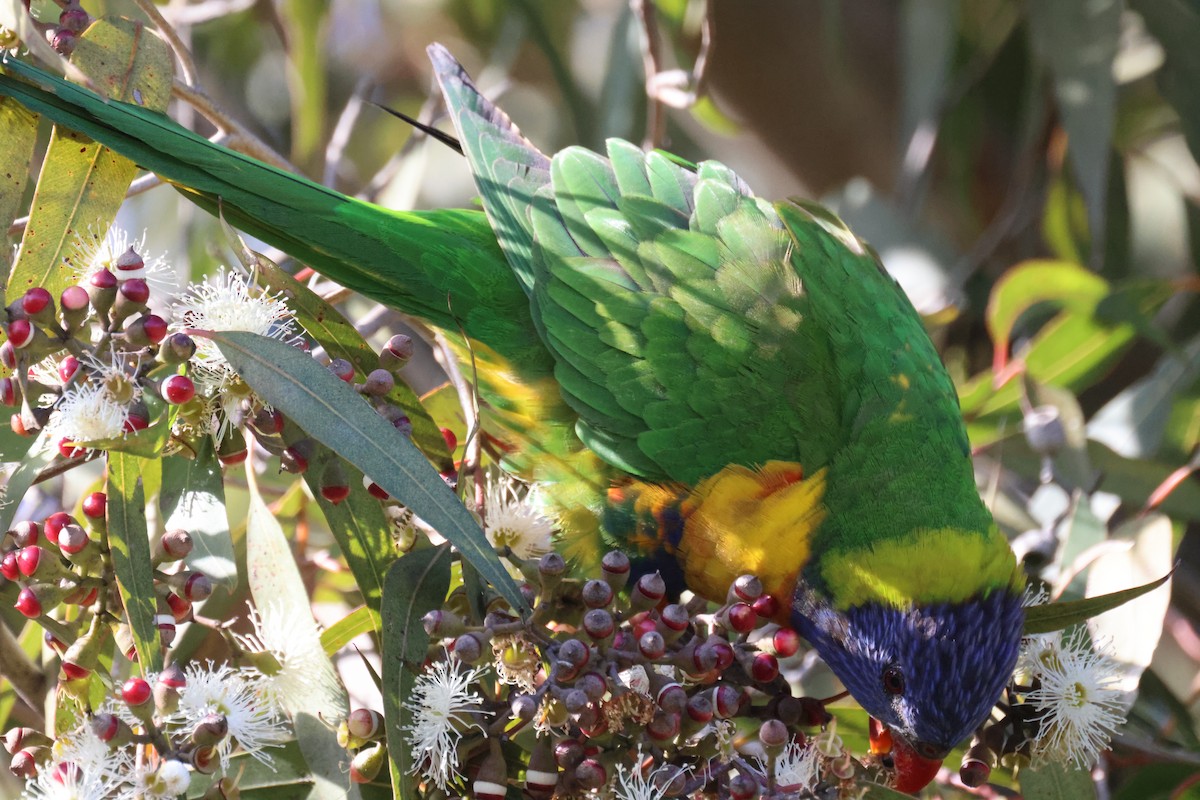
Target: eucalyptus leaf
point(130, 546)
point(415, 585)
point(334, 414)
point(1054, 781)
point(1056, 616)
point(193, 499)
point(359, 621)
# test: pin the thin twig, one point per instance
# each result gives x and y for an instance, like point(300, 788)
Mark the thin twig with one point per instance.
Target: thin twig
point(340, 136)
point(183, 14)
point(27, 680)
point(656, 118)
point(186, 64)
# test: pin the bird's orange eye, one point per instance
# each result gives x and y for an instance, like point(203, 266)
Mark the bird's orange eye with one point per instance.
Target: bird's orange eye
point(893, 680)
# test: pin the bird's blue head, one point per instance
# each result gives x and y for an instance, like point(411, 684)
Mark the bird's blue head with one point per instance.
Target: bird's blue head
point(931, 673)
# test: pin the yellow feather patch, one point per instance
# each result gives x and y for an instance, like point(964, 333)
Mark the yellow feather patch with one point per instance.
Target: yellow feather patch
point(945, 565)
point(747, 521)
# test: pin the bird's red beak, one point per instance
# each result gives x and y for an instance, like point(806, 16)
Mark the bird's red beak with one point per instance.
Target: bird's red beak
point(913, 772)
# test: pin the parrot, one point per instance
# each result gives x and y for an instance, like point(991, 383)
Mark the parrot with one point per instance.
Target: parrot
point(735, 385)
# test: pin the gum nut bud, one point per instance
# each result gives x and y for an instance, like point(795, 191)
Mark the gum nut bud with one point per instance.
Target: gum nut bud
point(814, 712)
point(294, 460)
point(699, 708)
point(95, 505)
point(102, 289)
point(402, 423)
point(663, 726)
point(74, 19)
point(268, 421)
point(773, 733)
point(396, 352)
point(67, 368)
point(374, 489)
point(224, 789)
point(196, 587)
point(177, 348)
point(177, 389)
point(73, 539)
point(468, 648)
point(175, 544)
point(568, 753)
point(727, 700)
point(541, 776)
point(31, 559)
point(575, 701)
point(746, 588)
point(649, 590)
point(67, 449)
point(334, 485)
point(704, 658)
point(205, 760)
point(597, 594)
point(135, 291)
point(378, 383)
point(106, 726)
point(593, 685)
point(551, 565)
point(673, 698)
point(19, 738)
point(9, 392)
point(574, 652)
point(591, 774)
point(210, 730)
point(55, 523)
point(764, 668)
point(450, 438)
point(766, 606)
point(365, 723)
point(8, 354)
point(36, 301)
point(367, 763)
point(28, 603)
point(342, 369)
point(787, 709)
point(26, 533)
point(742, 787)
point(598, 624)
point(146, 330)
point(652, 645)
point(8, 566)
point(675, 618)
point(166, 629)
point(615, 569)
point(442, 624)
point(785, 642)
point(74, 300)
point(136, 692)
point(1044, 430)
point(129, 262)
point(642, 622)
point(54, 643)
point(23, 764)
point(523, 707)
point(741, 617)
point(20, 333)
point(973, 772)
point(181, 609)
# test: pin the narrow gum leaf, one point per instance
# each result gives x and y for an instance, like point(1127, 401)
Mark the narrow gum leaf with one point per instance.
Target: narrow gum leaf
point(1056, 616)
point(127, 539)
point(193, 498)
point(336, 416)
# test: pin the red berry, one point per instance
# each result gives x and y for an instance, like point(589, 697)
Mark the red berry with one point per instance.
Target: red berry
point(74, 671)
point(28, 603)
point(103, 279)
point(68, 449)
point(374, 489)
point(8, 354)
point(178, 389)
point(135, 422)
point(451, 439)
point(20, 332)
point(135, 290)
point(724, 654)
point(342, 368)
point(8, 566)
point(55, 523)
point(180, 608)
point(766, 606)
point(8, 392)
point(764, 668)
point(197, 587)
point(786, 642)
point(95, 505)
point(35, 301)
point(335, 494)
point(136, 691)
point(74, 298)
point(29, 559)
point(155, 328)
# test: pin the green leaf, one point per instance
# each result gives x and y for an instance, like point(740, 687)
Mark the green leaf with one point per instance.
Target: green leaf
point(359, 621)
point(1057, 616)
point(1078, 39)
point(193, 498)
point(286, 778)
point(280, 595)
point(335, 415)
point(18, 131)
point(415, 585)
point(15, 17)
point(1056, 782)
point(1084, 532)
point(13, 447)
point(40, 455)
point(342, 340)
point(1176, 25)
point(82, 184)
point(362, 531)
point(127, 539)
point(305, 24)
point(875, 791)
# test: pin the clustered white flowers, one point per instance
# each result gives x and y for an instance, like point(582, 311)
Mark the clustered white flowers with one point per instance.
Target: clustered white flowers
point(443, 705)
point(514, 517)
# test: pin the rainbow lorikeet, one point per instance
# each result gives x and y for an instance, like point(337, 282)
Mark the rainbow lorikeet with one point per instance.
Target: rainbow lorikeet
point(695, 370)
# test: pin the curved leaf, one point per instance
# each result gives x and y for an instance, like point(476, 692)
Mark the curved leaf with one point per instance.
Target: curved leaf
point(1056, 616)
point(1056, 782)
point(415, 585)
point(193, 498)
point(359, 621)
point(334, 414)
